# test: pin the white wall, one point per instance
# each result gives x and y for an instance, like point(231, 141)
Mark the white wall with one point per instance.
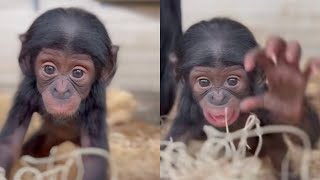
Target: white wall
point(292, 19)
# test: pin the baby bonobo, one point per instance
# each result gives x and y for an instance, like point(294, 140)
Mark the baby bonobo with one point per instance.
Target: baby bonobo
point(67, 60)
point(221, 67)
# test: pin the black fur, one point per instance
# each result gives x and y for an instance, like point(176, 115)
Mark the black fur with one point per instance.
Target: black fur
point(170, 32)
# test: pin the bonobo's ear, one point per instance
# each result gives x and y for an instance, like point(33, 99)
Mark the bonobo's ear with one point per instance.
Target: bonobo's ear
point(114, 51)
point(22, 37)
point(173, 58)
point(108, 74)
point(24, 59)
point(25, 64)
point(173, 61)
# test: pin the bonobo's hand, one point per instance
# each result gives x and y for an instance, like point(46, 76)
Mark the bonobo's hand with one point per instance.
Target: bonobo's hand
point(286, 82)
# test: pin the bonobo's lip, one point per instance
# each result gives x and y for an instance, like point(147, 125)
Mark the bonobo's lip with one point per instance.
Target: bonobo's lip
point(60, 108)
point(217, 117)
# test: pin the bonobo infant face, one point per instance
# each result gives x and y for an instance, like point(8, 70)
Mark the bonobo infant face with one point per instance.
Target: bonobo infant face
point(63, 79)
point(217, 89)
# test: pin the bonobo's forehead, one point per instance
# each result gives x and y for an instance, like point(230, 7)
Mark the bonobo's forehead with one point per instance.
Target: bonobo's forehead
point(213, 52)
point(64, 54)
point(68, 30)
point(213, 59)
point(217, 71)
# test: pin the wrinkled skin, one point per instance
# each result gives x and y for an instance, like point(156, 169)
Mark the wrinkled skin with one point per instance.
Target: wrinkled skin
point(219, 92)
point(63, 80)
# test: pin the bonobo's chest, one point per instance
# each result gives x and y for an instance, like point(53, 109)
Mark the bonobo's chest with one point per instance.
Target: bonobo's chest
point(63, 128)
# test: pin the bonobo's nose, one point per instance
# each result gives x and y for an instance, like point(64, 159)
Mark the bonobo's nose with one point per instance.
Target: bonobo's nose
point(218, 97)
point(61, 90)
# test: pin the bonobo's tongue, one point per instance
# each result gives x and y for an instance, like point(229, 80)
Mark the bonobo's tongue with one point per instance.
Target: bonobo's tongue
point(218, 117)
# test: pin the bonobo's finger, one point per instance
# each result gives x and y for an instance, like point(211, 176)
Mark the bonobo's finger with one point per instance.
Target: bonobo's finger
point(257, 57)
point(275, 49)
point(252, 103)
point(293, 53)
point(313, 66)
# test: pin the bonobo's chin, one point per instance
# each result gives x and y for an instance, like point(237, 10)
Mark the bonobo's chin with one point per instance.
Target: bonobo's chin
point(219, 118)
point(60, 114)
point(61, 111)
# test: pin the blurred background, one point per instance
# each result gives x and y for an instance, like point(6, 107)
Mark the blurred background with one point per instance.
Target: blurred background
point(134, 25)
point(291, 19)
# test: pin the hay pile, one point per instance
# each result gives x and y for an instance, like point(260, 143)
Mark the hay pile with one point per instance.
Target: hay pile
point(219, 158)
point(313, 92)
point(134, 145)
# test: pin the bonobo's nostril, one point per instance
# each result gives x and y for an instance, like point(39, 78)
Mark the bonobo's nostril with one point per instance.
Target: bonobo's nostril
point(67, 94)
point(55, 89)
point(61, 94)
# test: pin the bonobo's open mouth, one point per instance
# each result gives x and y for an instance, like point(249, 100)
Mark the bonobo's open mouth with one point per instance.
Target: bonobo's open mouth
point(218, 117)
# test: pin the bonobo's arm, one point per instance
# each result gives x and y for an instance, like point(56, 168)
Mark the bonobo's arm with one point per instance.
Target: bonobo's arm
point(187, 124)
point(285, 99)
point(274, 145)
point(179, 131)
point(93, 134)
point(310, 123)
point(14, 130)
point(96, 167)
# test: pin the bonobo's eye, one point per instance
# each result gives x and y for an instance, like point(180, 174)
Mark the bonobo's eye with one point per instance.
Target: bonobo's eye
point(48, 69)
point(77, 73)
point(203, 82)
point(232, 81)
